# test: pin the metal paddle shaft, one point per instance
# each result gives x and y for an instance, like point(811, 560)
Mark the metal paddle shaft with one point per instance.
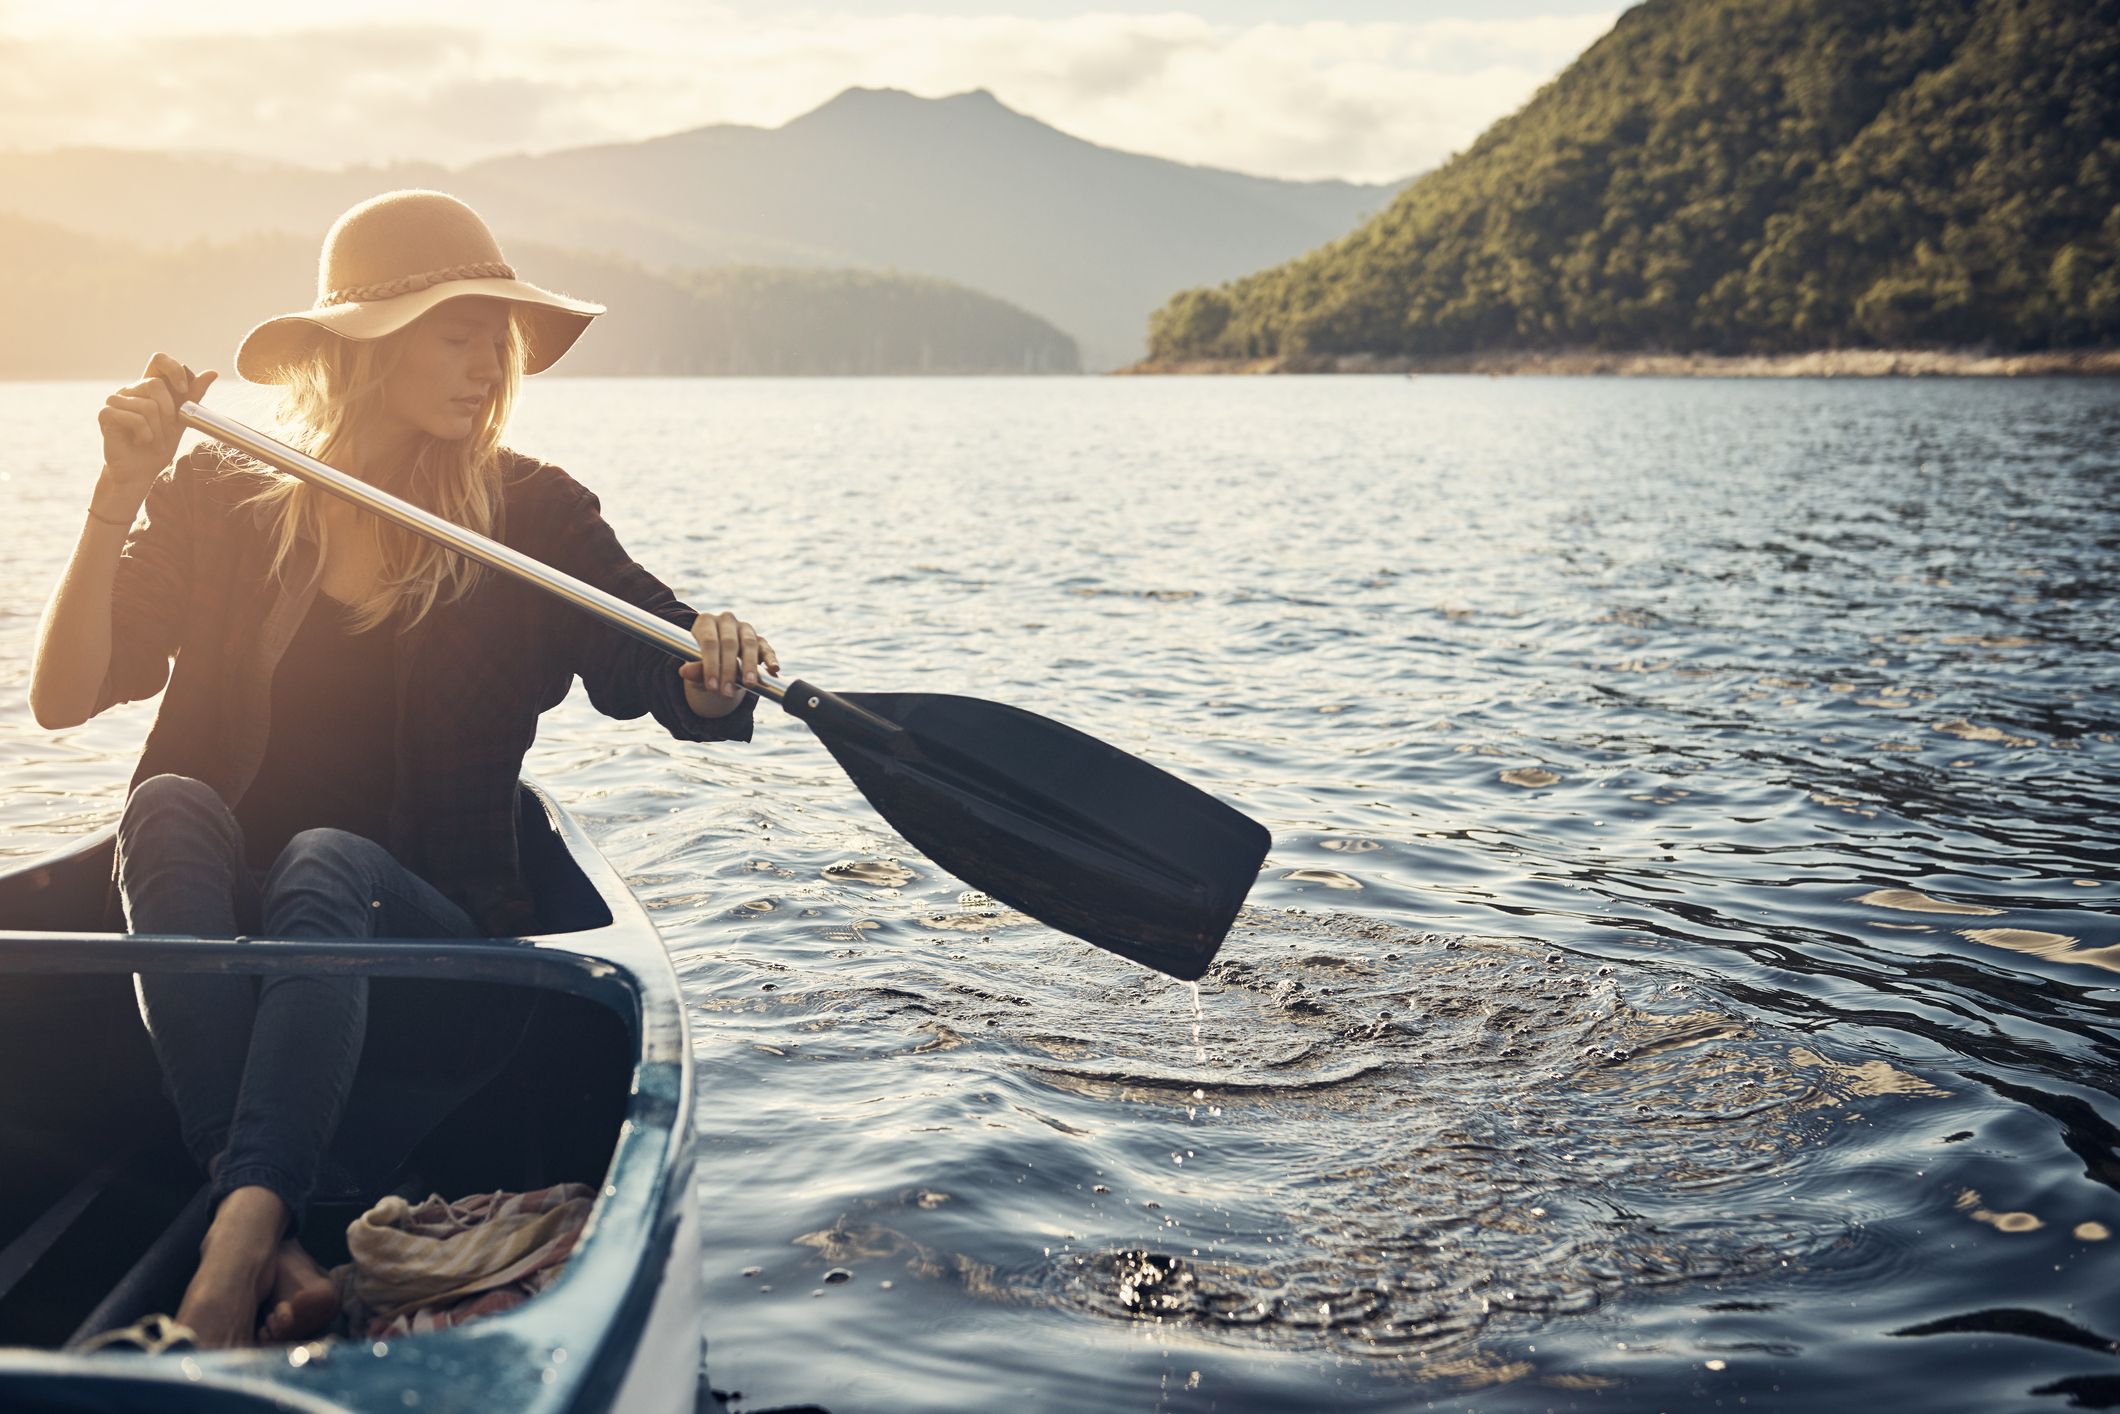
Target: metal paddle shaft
point(627, 618)
point(1070, 830)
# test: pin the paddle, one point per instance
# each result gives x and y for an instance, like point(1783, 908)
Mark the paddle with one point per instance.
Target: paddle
point(1074, 832)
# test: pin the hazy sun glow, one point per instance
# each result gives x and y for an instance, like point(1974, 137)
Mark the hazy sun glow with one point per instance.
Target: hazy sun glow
point(1349, 97)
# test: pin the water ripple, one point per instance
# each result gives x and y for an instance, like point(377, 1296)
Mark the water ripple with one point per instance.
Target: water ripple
point(1697, 870)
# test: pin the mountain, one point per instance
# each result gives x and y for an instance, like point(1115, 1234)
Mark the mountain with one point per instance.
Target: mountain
point(963, 189)
point(1742, 176)
point(98, 308)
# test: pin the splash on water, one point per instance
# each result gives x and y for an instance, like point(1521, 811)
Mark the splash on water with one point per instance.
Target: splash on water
point(1478, 1134)
point(1199, 1051)
point(1413, 1146)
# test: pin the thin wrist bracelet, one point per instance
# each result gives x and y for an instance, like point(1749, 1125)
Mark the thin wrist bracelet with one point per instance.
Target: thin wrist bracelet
point(125, 524)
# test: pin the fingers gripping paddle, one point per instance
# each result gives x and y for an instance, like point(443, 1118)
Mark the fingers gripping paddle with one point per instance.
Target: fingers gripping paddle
point(1074, 832)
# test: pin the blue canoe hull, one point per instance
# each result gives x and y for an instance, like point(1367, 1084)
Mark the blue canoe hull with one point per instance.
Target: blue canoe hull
point(495, 1063)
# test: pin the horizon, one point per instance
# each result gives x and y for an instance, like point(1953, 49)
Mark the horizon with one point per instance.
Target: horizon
point(228, 155)
point(1339, 92)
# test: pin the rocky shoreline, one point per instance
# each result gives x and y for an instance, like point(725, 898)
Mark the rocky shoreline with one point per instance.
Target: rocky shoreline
point(1822, 363)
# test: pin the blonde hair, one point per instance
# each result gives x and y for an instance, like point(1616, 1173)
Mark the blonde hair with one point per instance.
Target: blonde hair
point(329, 411)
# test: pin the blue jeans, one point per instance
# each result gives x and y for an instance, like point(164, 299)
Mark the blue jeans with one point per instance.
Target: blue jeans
point(259, 1067)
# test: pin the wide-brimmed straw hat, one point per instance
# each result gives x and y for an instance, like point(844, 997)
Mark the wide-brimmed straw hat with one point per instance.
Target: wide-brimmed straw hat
point(390, 260)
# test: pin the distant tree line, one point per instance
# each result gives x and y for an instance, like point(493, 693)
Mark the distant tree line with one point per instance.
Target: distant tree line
point(1742, 176)
point(779, 320)
point(77, 307)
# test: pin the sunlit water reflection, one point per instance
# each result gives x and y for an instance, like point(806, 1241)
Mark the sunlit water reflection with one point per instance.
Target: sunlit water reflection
point(1685, 971)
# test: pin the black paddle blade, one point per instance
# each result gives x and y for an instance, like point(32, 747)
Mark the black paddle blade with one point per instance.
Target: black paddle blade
point(1072, 831)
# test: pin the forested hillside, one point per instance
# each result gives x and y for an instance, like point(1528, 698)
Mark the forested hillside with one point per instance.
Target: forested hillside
point(76, 307)
point(1742, 176)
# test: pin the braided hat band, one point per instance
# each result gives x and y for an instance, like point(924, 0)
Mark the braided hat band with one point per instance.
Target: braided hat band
point(393, 258)
point(406, 284)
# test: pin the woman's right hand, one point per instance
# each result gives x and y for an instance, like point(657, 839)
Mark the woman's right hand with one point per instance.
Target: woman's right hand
point(140, 432)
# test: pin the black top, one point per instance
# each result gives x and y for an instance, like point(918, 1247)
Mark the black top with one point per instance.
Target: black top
point(329, 758)
point(200, 603)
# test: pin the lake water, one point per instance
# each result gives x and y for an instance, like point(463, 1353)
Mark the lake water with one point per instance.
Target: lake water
point(1686, 970)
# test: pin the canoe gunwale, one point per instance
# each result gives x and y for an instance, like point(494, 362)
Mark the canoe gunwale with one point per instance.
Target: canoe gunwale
point(611, 1282)
point(549, 965)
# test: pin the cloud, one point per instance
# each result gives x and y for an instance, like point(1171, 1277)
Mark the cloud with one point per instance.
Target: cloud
point(1311, 99)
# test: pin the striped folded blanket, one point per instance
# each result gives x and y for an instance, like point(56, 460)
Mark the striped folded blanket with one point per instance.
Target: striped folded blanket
point(440, 1263)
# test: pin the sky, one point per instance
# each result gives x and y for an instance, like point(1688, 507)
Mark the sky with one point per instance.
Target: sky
point(1370, 90)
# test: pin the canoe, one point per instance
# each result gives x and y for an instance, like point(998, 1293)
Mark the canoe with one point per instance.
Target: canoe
point(491, 1064)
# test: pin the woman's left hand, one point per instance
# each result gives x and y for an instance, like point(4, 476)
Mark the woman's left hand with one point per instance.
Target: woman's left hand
point(730, 654)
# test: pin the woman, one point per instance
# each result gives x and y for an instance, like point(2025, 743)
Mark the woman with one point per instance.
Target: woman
point(348, 706)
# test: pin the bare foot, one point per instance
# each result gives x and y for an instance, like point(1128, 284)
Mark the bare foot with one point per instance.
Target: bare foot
point(236, 1268)
point(304, 1302)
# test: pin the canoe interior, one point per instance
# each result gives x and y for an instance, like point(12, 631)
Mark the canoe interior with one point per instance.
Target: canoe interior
point(464, 1087)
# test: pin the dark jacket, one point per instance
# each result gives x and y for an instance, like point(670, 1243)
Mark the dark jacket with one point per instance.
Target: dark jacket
point(472, 676)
